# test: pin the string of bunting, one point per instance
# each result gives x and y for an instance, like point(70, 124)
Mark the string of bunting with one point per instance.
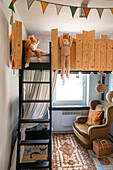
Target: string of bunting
point(73, 9)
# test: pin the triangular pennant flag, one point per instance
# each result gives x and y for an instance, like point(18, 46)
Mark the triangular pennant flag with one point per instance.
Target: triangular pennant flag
point(29, 3)
point(44, 6)
point(86, 11)
point(58, 8)
point(13, 1)
point(100, 11)
point(111, 10)
point(11, 7)
point(73, 10)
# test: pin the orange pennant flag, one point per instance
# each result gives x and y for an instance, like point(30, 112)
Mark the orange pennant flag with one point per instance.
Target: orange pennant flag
point(44, 6)
point(111, 10)
point(86, 11)
point(13, 1)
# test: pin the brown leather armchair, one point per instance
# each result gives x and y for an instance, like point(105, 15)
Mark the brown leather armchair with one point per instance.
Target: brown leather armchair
point(86, 134)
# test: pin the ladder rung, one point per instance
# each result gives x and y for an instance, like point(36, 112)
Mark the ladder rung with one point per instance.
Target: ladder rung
point(33, 165)
point(34, 120)
point(36, 82)
point(35, 101)
point(34, 142)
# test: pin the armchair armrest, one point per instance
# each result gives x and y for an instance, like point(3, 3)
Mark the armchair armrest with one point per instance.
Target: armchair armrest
point(98, 131)
point(81, 119)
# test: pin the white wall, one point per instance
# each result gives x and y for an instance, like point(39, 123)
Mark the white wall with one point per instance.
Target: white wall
point(8, 86)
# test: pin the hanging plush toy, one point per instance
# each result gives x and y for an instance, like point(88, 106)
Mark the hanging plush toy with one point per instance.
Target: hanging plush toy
point(31, 46)
point(65, 45)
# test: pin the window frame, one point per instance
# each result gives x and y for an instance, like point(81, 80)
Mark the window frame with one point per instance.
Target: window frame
point(73, 102)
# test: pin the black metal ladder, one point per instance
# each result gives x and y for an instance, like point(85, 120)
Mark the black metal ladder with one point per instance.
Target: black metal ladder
point(38, 164)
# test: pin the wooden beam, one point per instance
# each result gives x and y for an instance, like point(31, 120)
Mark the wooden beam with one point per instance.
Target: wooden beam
point(85, 50)
point(55, 50)
point(109, 53)
point(79, 60)
point(91, 49)
point(97, 54)
point(103, 53)
point(73, 55)
point(17, 45)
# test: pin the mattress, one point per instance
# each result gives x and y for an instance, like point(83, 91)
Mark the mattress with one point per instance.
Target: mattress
point(34, 59)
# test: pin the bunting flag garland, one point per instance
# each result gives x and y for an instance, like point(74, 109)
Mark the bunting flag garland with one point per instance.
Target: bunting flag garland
point(111, 10)
point(100, 11)
point(13, 1)
point(86, 11)
point(29, 3)
point(12, 7)
point(73, 10)
point(58, 8)
point(44, 6)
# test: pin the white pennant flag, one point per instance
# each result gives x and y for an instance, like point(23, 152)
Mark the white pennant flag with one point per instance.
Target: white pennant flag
point(58, 8)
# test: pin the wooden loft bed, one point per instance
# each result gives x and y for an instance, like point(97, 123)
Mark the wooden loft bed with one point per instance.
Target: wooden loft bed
point(87, 53)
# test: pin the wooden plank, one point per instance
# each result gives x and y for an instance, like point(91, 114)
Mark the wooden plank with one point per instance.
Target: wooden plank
point(85, 50)
point(91, 49)
point(109, 52)
point(17, 45)
point(12, 46)
point(103, 37)
point(79, 62)
point(103, 53)
point(55, 50)
point(97, 54)
point(73, 56)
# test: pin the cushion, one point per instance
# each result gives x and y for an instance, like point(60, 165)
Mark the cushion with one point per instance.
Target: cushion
point(81, 128)
point(95, 117)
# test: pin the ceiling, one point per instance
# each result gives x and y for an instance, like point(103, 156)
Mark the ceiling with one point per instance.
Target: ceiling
point(35, 22)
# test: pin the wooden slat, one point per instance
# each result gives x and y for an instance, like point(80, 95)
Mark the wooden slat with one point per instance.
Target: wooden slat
point(73, 55)
point(85, 51)
point(103, 56)
point(13, 55)
point(55, 49)
point(97, 54)
point(79, 60)
point(91, 49)
point(109, 54)
point(18, 44)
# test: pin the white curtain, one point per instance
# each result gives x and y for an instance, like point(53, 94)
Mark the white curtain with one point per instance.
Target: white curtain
point(34, 110)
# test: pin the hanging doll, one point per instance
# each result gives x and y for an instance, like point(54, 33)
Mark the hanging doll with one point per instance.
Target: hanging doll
point(65, 45)
point(31, 46)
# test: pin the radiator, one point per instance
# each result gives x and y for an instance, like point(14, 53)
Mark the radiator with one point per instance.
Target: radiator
point(69, 117)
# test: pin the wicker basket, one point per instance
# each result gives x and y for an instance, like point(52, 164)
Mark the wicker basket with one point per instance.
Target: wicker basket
point(101, 88)
point(102, 147)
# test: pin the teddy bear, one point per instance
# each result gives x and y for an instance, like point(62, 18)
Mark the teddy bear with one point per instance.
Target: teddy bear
point(31, 46)
point(65, 43)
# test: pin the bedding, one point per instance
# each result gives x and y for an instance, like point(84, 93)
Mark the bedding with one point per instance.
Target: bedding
point(44, 56)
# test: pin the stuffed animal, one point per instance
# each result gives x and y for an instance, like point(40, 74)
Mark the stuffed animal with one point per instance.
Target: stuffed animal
point(65, 45)
point(31, 46)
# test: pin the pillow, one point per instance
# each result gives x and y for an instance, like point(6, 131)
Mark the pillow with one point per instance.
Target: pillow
point(95, 117)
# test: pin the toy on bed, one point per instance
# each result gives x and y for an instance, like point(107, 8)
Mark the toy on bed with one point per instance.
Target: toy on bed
point(65, 45)
point(31, 46)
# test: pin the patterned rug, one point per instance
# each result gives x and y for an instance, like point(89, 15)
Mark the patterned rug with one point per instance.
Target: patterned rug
point(35, 153)
point(68, 154)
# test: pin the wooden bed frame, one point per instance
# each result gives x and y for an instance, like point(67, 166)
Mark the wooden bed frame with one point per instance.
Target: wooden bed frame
point(87, 53)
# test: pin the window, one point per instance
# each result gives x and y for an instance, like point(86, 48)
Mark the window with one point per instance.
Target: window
point(70, 91)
